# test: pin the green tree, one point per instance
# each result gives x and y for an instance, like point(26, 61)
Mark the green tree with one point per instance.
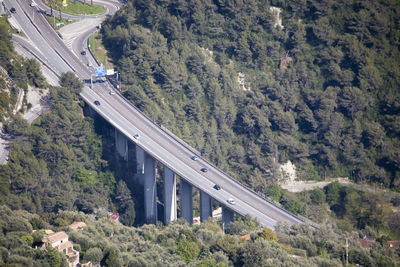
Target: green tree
point(70, 81)
point(188, 250)
point(113, 258)
point(318, 196)
point(332, 192)
point(53, 257)
point(274, 192)
point(94, 254)
point(268, 235)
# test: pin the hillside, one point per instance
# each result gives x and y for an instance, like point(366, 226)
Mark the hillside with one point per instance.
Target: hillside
point(321, 91)
point(112, 244)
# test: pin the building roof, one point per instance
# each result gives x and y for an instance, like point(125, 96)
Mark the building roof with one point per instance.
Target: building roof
point(65, 245)
point(77, 226)
point(53, 238)
point(366, 242)
point(245, 237)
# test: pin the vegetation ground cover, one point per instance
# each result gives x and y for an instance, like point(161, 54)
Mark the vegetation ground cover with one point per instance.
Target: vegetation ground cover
point(53, 20)
point(79, 8)
point(98, 50)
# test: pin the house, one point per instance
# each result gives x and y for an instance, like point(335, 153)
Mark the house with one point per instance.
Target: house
point(366, 242)
point(60, 241)
point(77, 226)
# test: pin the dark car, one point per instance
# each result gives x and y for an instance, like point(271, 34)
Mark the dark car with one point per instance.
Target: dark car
point(12, 10)
point(83, 53)
point(204, 169)
point(97, 102)
point(217, 187)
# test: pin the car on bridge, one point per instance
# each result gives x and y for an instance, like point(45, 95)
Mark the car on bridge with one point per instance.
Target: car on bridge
point(195, 158)
point(231, 201)
point(97, 102)
point(136, 136)
point(204, 169)
point(217, 187)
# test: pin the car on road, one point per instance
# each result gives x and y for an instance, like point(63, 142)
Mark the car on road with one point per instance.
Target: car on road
point(12, 10)
point(111, 92)
point(136, 136)
point(83, 53)
point(231, 201)
point(33, 4)
point(195, 158)
point(204, 169)
point(217, 187)
point(97, 102)
point(90, 64)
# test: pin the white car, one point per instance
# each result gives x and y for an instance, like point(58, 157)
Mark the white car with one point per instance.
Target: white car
point(231, 201)
point(33, 3)
point(111, 92)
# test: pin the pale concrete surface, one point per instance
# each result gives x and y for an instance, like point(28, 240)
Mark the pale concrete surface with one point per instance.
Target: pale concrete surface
point(38, 98)
point(304, 186)
point(4, 146)
point(14, 23)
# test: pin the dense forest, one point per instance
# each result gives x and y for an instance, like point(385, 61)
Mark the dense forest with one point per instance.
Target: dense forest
point(55, 163)
point(321, 90)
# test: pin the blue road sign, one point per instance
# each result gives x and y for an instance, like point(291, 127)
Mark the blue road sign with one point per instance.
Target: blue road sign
point(100, 71)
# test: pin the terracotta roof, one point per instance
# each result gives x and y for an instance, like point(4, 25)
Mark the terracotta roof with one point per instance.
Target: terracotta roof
point(57, 237)
point(49, 232)
point(366, 242)
point(77, 225)
point(393, 244)
point(245, 237)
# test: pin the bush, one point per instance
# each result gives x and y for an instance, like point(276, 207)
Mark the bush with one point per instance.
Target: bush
point(318, 196)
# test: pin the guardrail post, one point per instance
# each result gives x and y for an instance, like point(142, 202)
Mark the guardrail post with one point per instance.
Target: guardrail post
point(169, 196)
point(186, 201)
point(205, 206)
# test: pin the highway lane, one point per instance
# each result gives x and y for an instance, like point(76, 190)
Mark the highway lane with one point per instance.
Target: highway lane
point(164, 147)
point(32, 33)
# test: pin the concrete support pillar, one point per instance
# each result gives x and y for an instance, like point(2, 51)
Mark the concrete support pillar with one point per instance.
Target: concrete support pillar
point(150, 190)
point(205, 207)
point(169, 196)
point(139, 160)
point(121, 144)
point(186, 202)
point(227, 216)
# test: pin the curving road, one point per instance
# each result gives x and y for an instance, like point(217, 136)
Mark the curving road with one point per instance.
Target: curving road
point(164, 147)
